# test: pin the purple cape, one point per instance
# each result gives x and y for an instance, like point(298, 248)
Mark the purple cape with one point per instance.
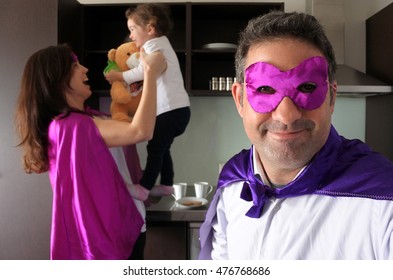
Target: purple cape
point(93, 215)
point(342, 168)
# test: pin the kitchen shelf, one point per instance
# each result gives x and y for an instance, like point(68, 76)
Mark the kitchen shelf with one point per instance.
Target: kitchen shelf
point(210, 93)
point(103, 26)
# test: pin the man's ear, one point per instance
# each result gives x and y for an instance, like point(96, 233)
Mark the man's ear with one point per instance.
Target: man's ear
point(237, 94)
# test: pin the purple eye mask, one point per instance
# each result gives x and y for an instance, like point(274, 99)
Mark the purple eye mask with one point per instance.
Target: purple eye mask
point(306, 84)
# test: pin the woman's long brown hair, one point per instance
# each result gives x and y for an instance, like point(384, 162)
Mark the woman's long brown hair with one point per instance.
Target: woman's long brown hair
point(41, 98)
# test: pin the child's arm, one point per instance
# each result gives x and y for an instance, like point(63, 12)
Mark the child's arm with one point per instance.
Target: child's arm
point(113, 76)
point(133, 75)
point(129, 76)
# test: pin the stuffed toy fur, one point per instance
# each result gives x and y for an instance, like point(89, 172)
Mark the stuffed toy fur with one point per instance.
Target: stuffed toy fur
point(125, 98)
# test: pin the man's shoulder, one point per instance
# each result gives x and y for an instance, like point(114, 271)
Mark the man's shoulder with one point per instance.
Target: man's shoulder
point(236, 169)
point(359, 171)
point(359, 154)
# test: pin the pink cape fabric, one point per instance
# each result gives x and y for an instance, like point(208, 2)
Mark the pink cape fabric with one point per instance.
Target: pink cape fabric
point(93, 215)
point(133, 163)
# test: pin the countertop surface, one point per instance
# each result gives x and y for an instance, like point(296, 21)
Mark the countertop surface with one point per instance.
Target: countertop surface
point(167, 210)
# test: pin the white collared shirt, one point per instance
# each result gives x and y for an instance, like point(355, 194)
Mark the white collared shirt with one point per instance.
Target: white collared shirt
point(313, 227)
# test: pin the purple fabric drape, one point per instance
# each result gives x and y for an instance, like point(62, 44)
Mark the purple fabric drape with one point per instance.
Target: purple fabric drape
point(342, 168)
point(93, 215)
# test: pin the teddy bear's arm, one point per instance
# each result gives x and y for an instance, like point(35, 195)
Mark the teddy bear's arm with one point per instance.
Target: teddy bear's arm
point(119, 93)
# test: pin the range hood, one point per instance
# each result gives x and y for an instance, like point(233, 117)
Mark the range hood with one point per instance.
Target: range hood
point(351, 81)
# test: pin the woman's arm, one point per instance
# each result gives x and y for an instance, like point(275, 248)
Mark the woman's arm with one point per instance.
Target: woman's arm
point(117, 133)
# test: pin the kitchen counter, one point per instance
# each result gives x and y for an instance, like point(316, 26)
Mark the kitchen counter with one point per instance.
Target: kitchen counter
point(173, 232)
point(167, 211)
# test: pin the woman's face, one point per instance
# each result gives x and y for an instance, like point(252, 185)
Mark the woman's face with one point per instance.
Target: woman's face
point(79, 89)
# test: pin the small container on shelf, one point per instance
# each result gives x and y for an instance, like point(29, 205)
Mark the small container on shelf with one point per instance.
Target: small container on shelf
point(221, 84)
point(214, 83)
point(229, 82)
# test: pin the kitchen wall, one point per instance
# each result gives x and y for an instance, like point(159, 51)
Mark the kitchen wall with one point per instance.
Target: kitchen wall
point(25, 200)
point(214, 134)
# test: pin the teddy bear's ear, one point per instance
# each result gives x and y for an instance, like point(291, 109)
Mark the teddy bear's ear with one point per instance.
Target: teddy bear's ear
point(112, 54)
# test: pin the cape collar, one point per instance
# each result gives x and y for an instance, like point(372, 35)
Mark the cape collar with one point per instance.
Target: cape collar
point(345, 162)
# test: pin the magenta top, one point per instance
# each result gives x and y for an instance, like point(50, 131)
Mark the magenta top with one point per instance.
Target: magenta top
point(93, 215)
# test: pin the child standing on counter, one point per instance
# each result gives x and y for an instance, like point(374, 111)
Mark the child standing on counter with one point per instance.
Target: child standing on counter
point(149, 24)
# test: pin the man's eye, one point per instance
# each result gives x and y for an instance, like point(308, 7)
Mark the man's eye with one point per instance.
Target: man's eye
point(307, 87)
point(266, 90)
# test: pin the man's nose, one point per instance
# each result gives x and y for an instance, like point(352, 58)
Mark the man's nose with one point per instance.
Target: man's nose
point(287, 111)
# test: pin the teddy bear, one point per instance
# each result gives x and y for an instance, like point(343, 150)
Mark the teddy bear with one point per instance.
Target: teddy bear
point(124, 98)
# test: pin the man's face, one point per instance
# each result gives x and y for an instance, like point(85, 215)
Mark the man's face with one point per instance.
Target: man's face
point(287, 136)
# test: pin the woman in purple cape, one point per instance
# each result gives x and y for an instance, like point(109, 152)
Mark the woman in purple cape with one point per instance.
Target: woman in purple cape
point(93, 215)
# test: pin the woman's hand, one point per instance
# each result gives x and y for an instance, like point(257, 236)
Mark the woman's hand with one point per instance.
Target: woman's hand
point(154, 62)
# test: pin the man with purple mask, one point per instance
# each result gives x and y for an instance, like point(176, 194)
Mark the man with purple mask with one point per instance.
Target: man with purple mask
point(301, 191)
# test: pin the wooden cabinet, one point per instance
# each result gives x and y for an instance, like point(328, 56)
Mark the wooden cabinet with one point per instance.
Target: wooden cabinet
point(103, 26)
point(216, 23)
point(172, 240)
point(166, 241)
